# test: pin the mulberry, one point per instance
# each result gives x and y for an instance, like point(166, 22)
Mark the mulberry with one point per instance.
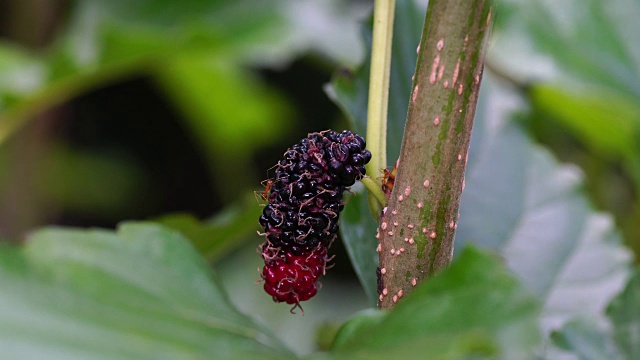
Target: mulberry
point(300, 220)
point(292, 278)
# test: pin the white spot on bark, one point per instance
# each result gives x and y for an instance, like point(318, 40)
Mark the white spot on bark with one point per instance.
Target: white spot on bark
point(394, 212)
point(451, 224)
point(395, 223)
point(390, 233)
point(383, 271)
point(420, 206)
point(392, 251)
point(460, 89)
point(383, 225)
point(410, 226)
point(385, 291)
point(414, 282)
point(426, 183)
point(433, 235)
point(456, 71)
point(407, 190)
point(400, 293)
point(436, 121)
point(395, 299)
point(434, 69)
point(400, 198)
point(418, 49)
point(415, 94)
point(440, 45)
point(440, 72)
point(459, 157)
point(379, 248)
point(411, 241)
point(445, 84)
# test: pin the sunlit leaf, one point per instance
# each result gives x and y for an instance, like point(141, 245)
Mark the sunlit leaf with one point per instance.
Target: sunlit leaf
point(607, 122)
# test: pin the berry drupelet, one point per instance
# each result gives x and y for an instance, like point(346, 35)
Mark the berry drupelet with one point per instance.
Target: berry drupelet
point(300, 220)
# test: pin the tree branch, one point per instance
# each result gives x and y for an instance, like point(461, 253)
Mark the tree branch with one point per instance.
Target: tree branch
point(417, 229)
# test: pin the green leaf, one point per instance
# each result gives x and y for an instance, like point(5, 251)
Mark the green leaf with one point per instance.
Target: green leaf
point(520, 202)
point(217, 237)
point(624, 313)
point(141, 292)
point(607, 122)
point(349, 91)
point(586, 340)
point(580, 40)
point(358, 231)
point(474, 308)
point(227, 109)
point(586, 55)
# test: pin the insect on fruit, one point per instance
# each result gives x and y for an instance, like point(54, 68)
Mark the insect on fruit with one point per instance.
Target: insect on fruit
point(267, 188)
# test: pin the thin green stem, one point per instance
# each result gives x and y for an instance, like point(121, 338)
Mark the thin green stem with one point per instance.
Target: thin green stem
point(383, 13)
point(375, 190)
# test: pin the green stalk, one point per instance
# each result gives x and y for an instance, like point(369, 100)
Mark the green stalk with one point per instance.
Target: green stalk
point(383, 13)
point(417, 230)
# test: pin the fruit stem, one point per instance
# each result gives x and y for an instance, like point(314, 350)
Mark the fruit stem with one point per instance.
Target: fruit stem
point(383, 13)
point(375, 190)
point(426, 194)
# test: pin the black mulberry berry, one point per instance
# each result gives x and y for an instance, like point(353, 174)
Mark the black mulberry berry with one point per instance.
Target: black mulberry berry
point(301, 219)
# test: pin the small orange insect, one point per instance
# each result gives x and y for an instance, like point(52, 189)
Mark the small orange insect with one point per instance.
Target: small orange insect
point(388, 178)
point(267, 187)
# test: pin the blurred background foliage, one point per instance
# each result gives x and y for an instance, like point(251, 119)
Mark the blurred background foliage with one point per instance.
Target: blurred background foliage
point(117, 109)
point(175, 111)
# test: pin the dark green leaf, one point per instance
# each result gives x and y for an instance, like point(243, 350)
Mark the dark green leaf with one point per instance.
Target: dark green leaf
point(473, 308)
point(624, 313)
point(142, 292)
point(358, 230)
